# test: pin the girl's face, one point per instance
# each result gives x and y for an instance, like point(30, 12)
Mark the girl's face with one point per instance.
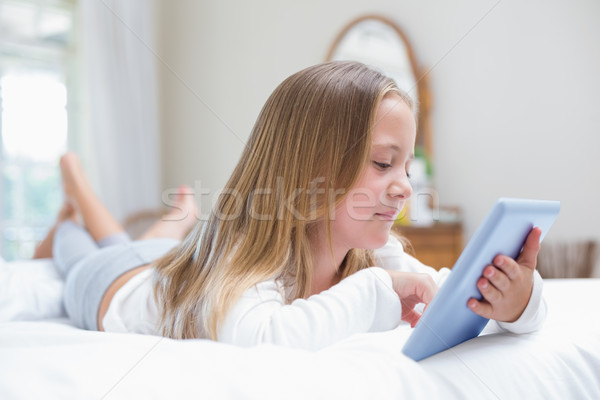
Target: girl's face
point(365, 216)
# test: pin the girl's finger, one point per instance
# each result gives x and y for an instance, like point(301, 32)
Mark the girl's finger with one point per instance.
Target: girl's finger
point(508, 266)
point(488, 291)
point(481, 308)
point(528, 256)
point(498, 278)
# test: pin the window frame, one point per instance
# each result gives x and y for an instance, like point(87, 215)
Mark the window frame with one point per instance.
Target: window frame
point(17, 53)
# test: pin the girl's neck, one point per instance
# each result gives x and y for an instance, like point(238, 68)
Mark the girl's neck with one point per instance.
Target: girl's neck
point(326, 266)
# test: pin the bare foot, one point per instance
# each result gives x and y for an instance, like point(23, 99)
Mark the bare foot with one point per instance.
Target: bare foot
point(98, 221)
point(73, 177)
point(44, 249)
point(179, 220)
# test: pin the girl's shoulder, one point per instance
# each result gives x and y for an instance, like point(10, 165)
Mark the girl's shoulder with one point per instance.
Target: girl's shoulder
point(268, 290)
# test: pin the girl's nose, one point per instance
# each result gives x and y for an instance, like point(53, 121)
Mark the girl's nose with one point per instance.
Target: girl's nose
point(400, 187)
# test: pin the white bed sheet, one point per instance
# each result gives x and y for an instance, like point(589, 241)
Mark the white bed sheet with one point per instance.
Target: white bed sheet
point(43, 356)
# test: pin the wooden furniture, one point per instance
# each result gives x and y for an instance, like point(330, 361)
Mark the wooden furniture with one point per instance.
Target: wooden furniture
point(438, 245)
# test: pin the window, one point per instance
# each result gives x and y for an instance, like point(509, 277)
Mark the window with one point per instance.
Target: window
point(37, 64)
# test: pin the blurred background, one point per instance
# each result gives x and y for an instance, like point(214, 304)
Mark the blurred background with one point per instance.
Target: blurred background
point(159, 93)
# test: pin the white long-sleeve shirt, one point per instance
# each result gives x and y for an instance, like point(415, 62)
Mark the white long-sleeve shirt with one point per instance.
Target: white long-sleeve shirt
point(363, 302)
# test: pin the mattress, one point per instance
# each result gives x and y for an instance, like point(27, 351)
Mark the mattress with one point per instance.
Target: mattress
point(42, 355)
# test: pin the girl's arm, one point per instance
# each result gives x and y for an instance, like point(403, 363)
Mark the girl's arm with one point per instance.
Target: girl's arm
point(393, 257)
point(363, 302)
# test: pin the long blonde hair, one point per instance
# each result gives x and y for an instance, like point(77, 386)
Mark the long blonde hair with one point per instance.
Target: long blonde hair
point(311, 138)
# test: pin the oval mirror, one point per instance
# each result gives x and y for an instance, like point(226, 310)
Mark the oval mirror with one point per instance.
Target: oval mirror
point(377, 41)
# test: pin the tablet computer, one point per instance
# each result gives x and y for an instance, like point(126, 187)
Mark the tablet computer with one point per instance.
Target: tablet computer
point(448, 321)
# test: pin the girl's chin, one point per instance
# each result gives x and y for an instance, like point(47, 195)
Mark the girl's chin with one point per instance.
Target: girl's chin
point(376, 242)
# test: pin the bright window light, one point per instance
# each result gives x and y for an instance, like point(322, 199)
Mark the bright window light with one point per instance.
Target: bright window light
point(34, 117)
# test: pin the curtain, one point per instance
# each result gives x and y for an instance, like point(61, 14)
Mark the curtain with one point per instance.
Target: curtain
point(121, 139)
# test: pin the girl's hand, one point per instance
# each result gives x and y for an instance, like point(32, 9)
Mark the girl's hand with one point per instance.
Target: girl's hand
point(412, 289)
point(507, 284)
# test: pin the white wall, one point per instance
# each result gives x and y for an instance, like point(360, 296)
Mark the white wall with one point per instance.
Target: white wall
point(515, 85)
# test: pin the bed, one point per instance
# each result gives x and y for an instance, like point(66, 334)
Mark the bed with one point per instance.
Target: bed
point(43, 356)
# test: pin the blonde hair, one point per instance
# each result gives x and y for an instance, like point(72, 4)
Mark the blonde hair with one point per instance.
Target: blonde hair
point(312, 137)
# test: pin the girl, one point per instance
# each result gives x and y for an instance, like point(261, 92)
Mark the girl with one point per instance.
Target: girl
point(287, 255)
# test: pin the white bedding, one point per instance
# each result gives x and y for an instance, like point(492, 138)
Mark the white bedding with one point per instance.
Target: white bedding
point(43, 356)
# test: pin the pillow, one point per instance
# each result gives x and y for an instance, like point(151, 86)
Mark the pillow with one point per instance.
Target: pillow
point(30, 290)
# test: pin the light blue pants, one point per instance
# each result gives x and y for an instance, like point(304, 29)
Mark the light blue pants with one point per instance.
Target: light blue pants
point(89, 268)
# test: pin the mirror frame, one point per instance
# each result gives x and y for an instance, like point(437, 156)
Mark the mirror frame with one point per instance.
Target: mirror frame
point(424, 135)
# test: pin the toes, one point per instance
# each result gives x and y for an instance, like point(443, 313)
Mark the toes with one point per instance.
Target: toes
point(186, 199)
point(185, 189)
point(69, 161)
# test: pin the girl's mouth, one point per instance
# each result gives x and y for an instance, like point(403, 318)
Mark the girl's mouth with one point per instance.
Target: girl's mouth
point(388, 216)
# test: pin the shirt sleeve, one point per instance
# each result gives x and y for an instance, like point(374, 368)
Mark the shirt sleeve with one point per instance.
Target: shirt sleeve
point(363, 302)
point(392, 256)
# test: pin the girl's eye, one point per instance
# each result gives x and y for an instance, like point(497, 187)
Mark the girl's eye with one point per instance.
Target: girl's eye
point(382, 165)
